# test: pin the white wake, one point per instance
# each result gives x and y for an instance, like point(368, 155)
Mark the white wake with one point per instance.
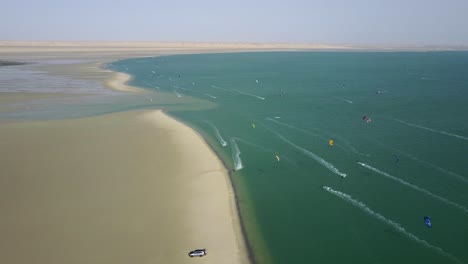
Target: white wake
point(380, 217)
point(413, 186)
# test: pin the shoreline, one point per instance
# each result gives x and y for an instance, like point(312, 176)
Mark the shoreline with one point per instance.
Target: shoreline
point(118, 80)
point(233, 189)
point(246, 243)
point(243, 242)
point(123, 78)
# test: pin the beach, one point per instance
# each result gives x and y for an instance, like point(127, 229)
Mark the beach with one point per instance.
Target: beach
point(127, 187)
point(98, 170)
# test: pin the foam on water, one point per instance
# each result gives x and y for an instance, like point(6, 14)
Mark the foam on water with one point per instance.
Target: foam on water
point(217, 134)
point(432, 130)
point(236, 155)
point(345, 100)
point(177, 94)
point(220, 88)
point(310, 154)
point(415, 187)
point(393, 224)
point(249, 94)
point(211, 96)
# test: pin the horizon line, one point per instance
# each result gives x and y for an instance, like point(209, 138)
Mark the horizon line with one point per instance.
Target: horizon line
point(222, 44)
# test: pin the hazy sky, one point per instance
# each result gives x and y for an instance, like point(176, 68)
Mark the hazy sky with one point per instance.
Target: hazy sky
point(371, 22)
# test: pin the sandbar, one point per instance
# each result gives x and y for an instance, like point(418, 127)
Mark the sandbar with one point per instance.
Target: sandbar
point(127, 187)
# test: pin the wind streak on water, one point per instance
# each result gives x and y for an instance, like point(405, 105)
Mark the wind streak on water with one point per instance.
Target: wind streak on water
point(380, 217)
point(310, 154)
point(432, 130)
point(217, 134)
point(428, 164)
point(236, 155)
point(238, 91)
point(415, 187)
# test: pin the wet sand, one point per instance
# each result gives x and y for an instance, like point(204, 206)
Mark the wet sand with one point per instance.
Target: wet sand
point(129, 187)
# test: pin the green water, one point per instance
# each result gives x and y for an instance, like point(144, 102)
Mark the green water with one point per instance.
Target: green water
point(297, 101)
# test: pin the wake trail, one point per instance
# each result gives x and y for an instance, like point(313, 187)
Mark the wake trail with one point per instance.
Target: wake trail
point(395, 225)
point(346, 143)
point(254, 145)
point(432, 130)
point(238, 91)
point(220, 88)
point(211, 96)
point(217, 134)
point(310, 154)
point(427, 164)
point(185, 89)
point(236, 155)
point(296, 128)
point(249, 94)
point(414, 187)
point(345, 100)
point(350, 146)
point(177, 94)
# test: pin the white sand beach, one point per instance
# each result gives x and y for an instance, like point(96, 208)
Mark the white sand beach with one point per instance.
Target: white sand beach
point(128, 187)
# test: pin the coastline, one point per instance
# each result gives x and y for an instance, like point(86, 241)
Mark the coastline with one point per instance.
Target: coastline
point(237, 252)
point(119, 82)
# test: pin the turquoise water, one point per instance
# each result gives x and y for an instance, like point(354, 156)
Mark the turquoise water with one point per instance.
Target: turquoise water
point(383, 176)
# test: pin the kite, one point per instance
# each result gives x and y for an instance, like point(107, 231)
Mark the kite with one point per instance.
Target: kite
point(427, 221)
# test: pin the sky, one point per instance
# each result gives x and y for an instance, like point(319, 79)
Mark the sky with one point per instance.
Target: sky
point(333, 22)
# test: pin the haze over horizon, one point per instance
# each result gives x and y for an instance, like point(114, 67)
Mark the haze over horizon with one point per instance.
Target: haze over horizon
point(361, 22)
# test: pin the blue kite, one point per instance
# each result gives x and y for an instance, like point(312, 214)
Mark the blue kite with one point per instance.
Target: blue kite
point(427, 221)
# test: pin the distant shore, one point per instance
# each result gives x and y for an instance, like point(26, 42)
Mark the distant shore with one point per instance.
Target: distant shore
point(115, 50)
